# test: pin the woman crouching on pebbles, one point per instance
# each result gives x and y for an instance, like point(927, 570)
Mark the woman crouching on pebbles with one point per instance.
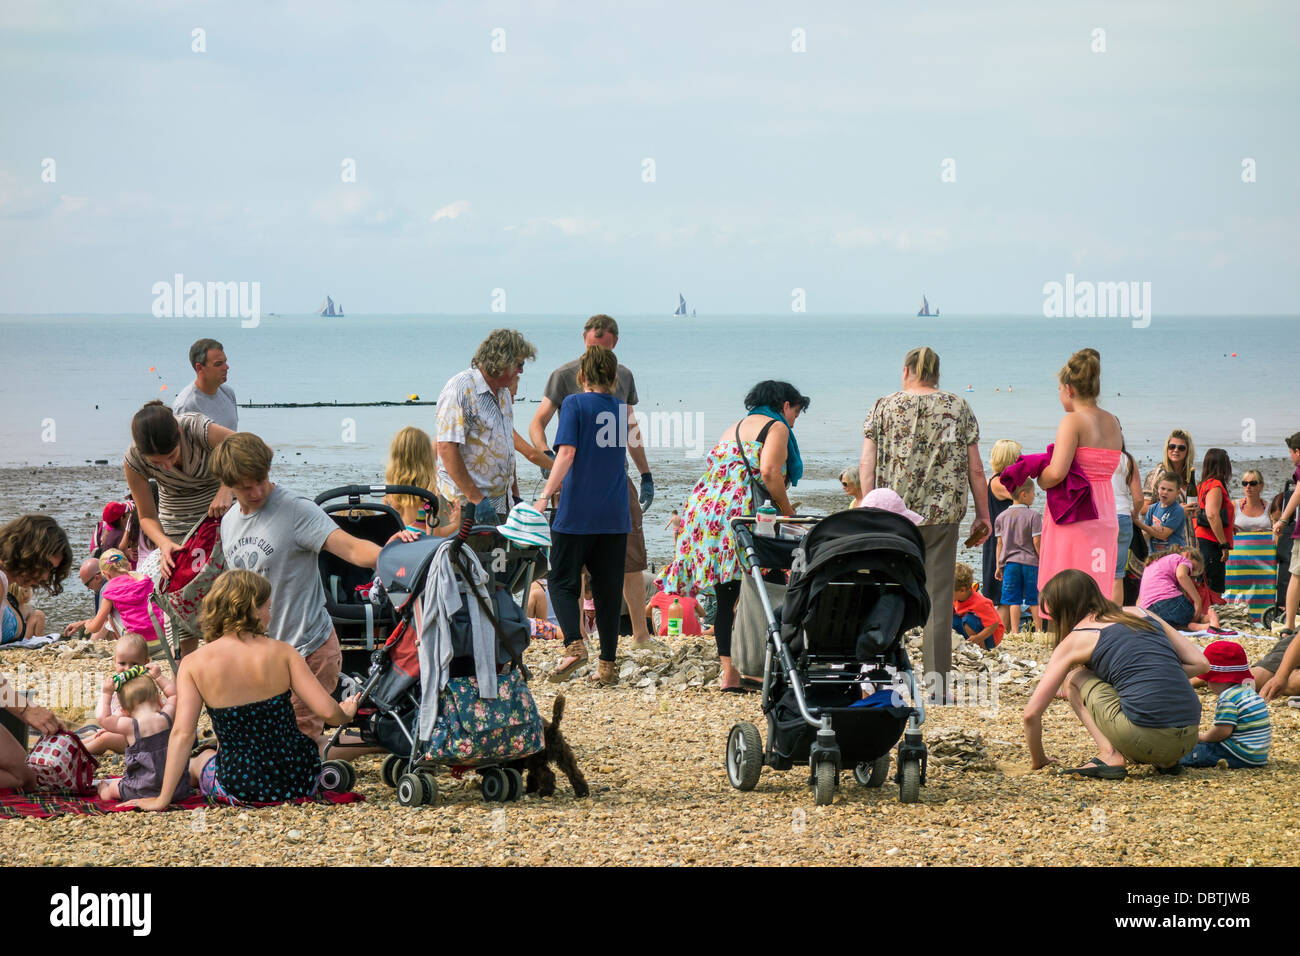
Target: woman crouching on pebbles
point(1125, 672)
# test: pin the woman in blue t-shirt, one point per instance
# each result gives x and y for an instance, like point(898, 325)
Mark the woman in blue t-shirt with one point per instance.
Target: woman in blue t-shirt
point(592, 522)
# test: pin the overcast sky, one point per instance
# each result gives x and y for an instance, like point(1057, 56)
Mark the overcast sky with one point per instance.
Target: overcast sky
point(525, 169)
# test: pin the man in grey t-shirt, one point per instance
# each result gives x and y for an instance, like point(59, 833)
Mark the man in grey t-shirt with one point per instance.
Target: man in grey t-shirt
point(279, 534)
point(209, 394)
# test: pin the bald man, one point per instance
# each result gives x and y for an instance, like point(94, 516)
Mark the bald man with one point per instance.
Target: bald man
point(93, 579)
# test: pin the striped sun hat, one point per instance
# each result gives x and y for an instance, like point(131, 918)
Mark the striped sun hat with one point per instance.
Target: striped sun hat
point(526, 527)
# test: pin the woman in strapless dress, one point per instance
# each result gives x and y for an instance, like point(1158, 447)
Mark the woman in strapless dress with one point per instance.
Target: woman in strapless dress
point(1091, 437)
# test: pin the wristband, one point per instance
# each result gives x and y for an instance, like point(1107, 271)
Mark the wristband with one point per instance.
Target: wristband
point(645, 475)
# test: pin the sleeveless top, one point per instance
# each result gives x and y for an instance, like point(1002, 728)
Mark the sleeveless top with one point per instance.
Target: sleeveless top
point(263, 756)
point(1245, 522)
point(146, 761)
point(1144, 669)
point(1119, 485)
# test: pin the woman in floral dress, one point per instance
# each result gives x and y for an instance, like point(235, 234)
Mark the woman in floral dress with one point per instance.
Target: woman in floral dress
point(761, 444)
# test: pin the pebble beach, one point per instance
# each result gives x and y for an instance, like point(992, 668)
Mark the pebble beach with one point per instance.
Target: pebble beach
point(652, 750)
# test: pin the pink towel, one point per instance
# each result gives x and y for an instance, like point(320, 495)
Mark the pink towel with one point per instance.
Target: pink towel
point(1070, 501)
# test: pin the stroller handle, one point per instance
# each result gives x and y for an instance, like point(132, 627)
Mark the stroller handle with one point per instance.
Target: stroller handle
point(354, 493)
point(743, 526)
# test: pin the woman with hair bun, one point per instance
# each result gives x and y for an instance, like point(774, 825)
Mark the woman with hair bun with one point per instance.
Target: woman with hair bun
point(924, 445)
point(1090, 437)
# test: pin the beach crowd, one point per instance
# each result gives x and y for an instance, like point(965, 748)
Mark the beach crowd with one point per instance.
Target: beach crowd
point(1120, 569)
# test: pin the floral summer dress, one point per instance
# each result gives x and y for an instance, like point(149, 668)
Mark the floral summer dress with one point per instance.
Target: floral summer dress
point(706, 550)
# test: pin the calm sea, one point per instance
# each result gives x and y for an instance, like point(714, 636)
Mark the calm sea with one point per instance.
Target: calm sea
point(70, 384)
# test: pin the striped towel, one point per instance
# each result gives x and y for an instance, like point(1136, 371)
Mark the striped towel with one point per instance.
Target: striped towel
point(1252, 572)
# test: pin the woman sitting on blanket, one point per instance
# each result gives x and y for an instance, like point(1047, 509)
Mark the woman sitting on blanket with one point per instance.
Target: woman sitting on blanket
point(34, 553)
point(244, 678)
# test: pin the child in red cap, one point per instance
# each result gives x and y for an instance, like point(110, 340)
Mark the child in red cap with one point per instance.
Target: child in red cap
point(1242, 732)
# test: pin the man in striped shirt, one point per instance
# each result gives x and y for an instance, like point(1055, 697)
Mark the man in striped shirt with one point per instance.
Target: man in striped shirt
point(1242, 732)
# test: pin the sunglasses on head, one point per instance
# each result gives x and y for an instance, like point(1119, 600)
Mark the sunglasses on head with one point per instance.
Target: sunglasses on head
point(1173, 447)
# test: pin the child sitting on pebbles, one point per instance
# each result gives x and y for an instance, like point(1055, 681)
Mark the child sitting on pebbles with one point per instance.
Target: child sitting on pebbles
point(126, 592)
point(146, 724)
point(130, 651)
point(974, 616)
point(1242, 730)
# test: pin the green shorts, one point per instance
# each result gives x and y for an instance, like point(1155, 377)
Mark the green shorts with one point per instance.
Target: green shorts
point(1162, 746)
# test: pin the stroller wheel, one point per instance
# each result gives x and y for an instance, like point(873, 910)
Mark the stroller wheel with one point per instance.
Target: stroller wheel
point(872, 774)
point(1270, 615)
point(495, 786)
point(514, 783)
point(430, 786)
point(337, 776)
point(744, 756)
point(394, 766)
point(824, 787)
point(410, 790)
point(909, 782)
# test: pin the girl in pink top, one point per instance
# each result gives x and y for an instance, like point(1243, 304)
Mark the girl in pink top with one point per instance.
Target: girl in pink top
point(126, 592)
point(1168, 589)
point(1090, 436)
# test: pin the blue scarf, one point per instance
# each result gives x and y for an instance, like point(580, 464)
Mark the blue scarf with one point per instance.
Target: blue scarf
point(793, 463)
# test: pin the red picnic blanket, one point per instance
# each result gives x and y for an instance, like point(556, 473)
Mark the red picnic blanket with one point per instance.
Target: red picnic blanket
point(53, 803)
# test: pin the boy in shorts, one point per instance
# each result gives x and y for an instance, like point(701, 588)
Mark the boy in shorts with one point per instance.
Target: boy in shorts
point(1019, 531)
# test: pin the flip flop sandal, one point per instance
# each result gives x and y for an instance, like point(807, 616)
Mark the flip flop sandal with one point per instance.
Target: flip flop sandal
point(1098, 769)
point(742, 689)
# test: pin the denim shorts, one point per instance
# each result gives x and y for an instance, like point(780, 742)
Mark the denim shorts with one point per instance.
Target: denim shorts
point(1019, 583)
point(1125, 539)
point(1209, 755)
point(1176, 611)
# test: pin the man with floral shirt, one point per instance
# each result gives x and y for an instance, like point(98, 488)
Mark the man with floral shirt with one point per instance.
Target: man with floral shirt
point(476, 431)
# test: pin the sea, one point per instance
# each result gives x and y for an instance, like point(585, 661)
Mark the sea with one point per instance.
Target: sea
point(69, 384)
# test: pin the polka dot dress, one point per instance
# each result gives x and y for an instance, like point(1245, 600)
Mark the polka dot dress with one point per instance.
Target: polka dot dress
point(263, 756)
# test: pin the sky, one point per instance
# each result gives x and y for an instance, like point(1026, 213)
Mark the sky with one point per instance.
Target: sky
point(865, 153)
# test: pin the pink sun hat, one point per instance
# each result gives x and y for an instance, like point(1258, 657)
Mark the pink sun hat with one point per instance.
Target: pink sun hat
point(886, 499)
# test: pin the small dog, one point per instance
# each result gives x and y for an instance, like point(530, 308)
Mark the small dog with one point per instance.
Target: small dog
point(540, 777)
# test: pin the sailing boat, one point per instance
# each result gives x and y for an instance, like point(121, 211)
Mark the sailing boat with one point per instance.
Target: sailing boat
point(925, 309)
point(327, 308)
point(681, 305)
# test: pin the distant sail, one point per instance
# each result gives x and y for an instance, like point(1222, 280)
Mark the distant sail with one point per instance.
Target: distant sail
point(692, 313)
point(925, 308)
point(681, 304)
point(340, 309)
point(320, 310)
point(328, 308)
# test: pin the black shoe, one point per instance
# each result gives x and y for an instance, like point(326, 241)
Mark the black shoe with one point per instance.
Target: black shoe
point(1173, 771)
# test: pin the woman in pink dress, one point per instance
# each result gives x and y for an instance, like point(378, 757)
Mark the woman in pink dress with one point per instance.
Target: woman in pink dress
point(1090, 437)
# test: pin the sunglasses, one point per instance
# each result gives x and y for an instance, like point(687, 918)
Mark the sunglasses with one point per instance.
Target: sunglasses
point(1173, 447)
point(1250, 484)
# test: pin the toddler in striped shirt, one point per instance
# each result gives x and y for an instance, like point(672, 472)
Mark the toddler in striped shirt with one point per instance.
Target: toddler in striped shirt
point(1242, 731)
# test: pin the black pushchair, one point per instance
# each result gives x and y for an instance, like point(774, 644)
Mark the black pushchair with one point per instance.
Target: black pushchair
point(502, 731)
point(361, 624)
point(838, 687)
